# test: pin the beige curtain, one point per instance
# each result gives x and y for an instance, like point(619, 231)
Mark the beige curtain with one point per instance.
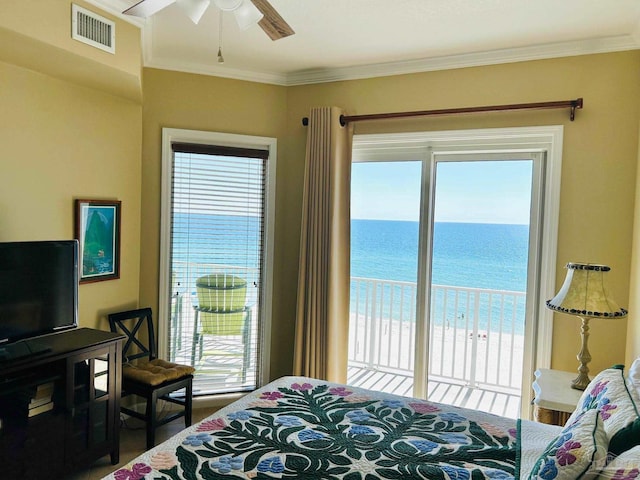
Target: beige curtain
point(322, 323)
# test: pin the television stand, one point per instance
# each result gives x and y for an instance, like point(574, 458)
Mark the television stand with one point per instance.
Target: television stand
point(23, 348)
point(59, 407)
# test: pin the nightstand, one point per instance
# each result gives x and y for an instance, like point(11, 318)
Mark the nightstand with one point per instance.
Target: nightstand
point(555, 400)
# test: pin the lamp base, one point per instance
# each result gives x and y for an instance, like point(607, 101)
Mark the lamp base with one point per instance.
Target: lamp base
point(584, 357)
point(581, 381)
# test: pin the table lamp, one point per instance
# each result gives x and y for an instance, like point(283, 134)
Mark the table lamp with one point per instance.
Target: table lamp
point(584, 295)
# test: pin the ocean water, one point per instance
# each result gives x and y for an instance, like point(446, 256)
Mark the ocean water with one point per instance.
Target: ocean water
point(492, 256)
point(488, 256)
point(484, 256)
point(217, 239)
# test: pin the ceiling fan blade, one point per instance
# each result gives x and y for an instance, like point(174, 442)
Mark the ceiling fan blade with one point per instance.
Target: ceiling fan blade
point(146, 8)
point(272, 23)
point(193, 8)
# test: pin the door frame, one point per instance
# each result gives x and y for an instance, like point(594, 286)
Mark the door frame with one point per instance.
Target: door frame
point(420, 146)
point(537, 158)
point(171, 135)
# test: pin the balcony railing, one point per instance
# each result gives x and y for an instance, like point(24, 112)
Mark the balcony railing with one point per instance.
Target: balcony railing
point(476, 335)
point(222, 362)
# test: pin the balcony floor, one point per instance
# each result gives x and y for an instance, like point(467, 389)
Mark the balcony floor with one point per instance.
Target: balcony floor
point(441, 390)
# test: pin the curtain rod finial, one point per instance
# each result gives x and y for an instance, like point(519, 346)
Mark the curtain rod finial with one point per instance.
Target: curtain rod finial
point(578, 103)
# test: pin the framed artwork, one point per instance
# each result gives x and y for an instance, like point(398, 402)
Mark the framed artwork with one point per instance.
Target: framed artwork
point(97, 228)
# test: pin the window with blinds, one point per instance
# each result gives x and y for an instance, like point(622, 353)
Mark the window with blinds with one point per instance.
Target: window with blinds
point(217, 238)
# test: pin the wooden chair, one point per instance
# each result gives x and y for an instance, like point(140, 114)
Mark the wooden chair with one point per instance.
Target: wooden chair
point(145, 375)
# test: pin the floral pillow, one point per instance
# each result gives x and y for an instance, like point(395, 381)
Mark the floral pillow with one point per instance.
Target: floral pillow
point(608, 393)
point(579, 452)
point(625, 466)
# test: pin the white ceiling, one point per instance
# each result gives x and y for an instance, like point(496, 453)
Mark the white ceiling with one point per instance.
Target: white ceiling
point(346, 39)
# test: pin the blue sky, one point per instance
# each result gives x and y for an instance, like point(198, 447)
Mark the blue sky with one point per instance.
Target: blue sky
point(473, 192)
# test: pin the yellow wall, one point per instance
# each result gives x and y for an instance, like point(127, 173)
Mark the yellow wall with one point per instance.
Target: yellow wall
point(49, 21)
point(599, 158)
point(197, 102)
point(600, 151)
point(633, 330)
point(36, 34)
point(64, 139)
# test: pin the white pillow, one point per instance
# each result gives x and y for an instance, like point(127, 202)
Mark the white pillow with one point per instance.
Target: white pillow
point(633, 377)
point(624, 466)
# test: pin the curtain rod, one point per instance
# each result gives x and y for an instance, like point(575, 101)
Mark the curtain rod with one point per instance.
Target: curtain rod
point(572, 104)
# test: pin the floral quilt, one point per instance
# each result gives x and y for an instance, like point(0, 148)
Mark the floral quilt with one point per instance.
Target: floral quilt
point(301, 428)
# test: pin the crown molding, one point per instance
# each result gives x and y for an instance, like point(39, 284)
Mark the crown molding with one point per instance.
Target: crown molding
point(636, 33)
point(609, 44)
point(217, 71)
point(494, 57)
point(477, 59)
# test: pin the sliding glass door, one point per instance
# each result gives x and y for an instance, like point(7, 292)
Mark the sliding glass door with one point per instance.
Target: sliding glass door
point(384, 273)
point(446, 253)
point(479, 258)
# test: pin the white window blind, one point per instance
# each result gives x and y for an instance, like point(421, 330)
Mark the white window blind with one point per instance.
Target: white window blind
point(217, 246)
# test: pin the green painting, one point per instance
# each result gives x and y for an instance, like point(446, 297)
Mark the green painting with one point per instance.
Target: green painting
point(98, 231)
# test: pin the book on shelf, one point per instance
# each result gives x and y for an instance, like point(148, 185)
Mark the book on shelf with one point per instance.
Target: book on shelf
point(44, 389)
point(36, 402)
point(43, 395)
point(40, 409)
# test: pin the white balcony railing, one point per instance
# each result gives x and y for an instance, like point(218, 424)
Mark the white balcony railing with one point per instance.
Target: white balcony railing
point(476, 335)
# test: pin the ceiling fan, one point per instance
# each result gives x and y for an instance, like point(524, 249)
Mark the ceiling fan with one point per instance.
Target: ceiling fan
point(246, 12)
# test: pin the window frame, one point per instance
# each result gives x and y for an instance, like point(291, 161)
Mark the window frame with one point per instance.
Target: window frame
point(547, 139)
point(200, 137)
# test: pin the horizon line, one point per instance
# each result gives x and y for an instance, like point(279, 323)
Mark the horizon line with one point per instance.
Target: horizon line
point(442, 221)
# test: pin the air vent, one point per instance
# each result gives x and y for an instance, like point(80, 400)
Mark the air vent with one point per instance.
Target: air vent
point(92, 29)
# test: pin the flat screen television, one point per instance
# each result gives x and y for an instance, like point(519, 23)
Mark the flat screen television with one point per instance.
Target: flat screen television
point(38, 288)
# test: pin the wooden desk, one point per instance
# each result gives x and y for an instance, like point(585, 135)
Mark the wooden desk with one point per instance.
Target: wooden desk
point(60, 408)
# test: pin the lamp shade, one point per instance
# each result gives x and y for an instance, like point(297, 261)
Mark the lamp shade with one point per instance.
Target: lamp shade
point(583, 293)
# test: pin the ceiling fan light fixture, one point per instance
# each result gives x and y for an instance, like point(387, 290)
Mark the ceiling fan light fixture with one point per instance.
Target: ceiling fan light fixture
point(193, 8)
point(247, 14)
point(228, 5)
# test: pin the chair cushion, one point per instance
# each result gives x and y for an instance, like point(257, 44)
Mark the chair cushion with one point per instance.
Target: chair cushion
point(156, 372)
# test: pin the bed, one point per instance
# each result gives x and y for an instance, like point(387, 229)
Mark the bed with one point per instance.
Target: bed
point(297, 427)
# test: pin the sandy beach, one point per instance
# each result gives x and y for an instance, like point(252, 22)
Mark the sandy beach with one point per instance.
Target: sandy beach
point(482, 357)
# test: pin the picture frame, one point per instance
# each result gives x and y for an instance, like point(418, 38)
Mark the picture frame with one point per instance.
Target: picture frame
point(97, 229)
